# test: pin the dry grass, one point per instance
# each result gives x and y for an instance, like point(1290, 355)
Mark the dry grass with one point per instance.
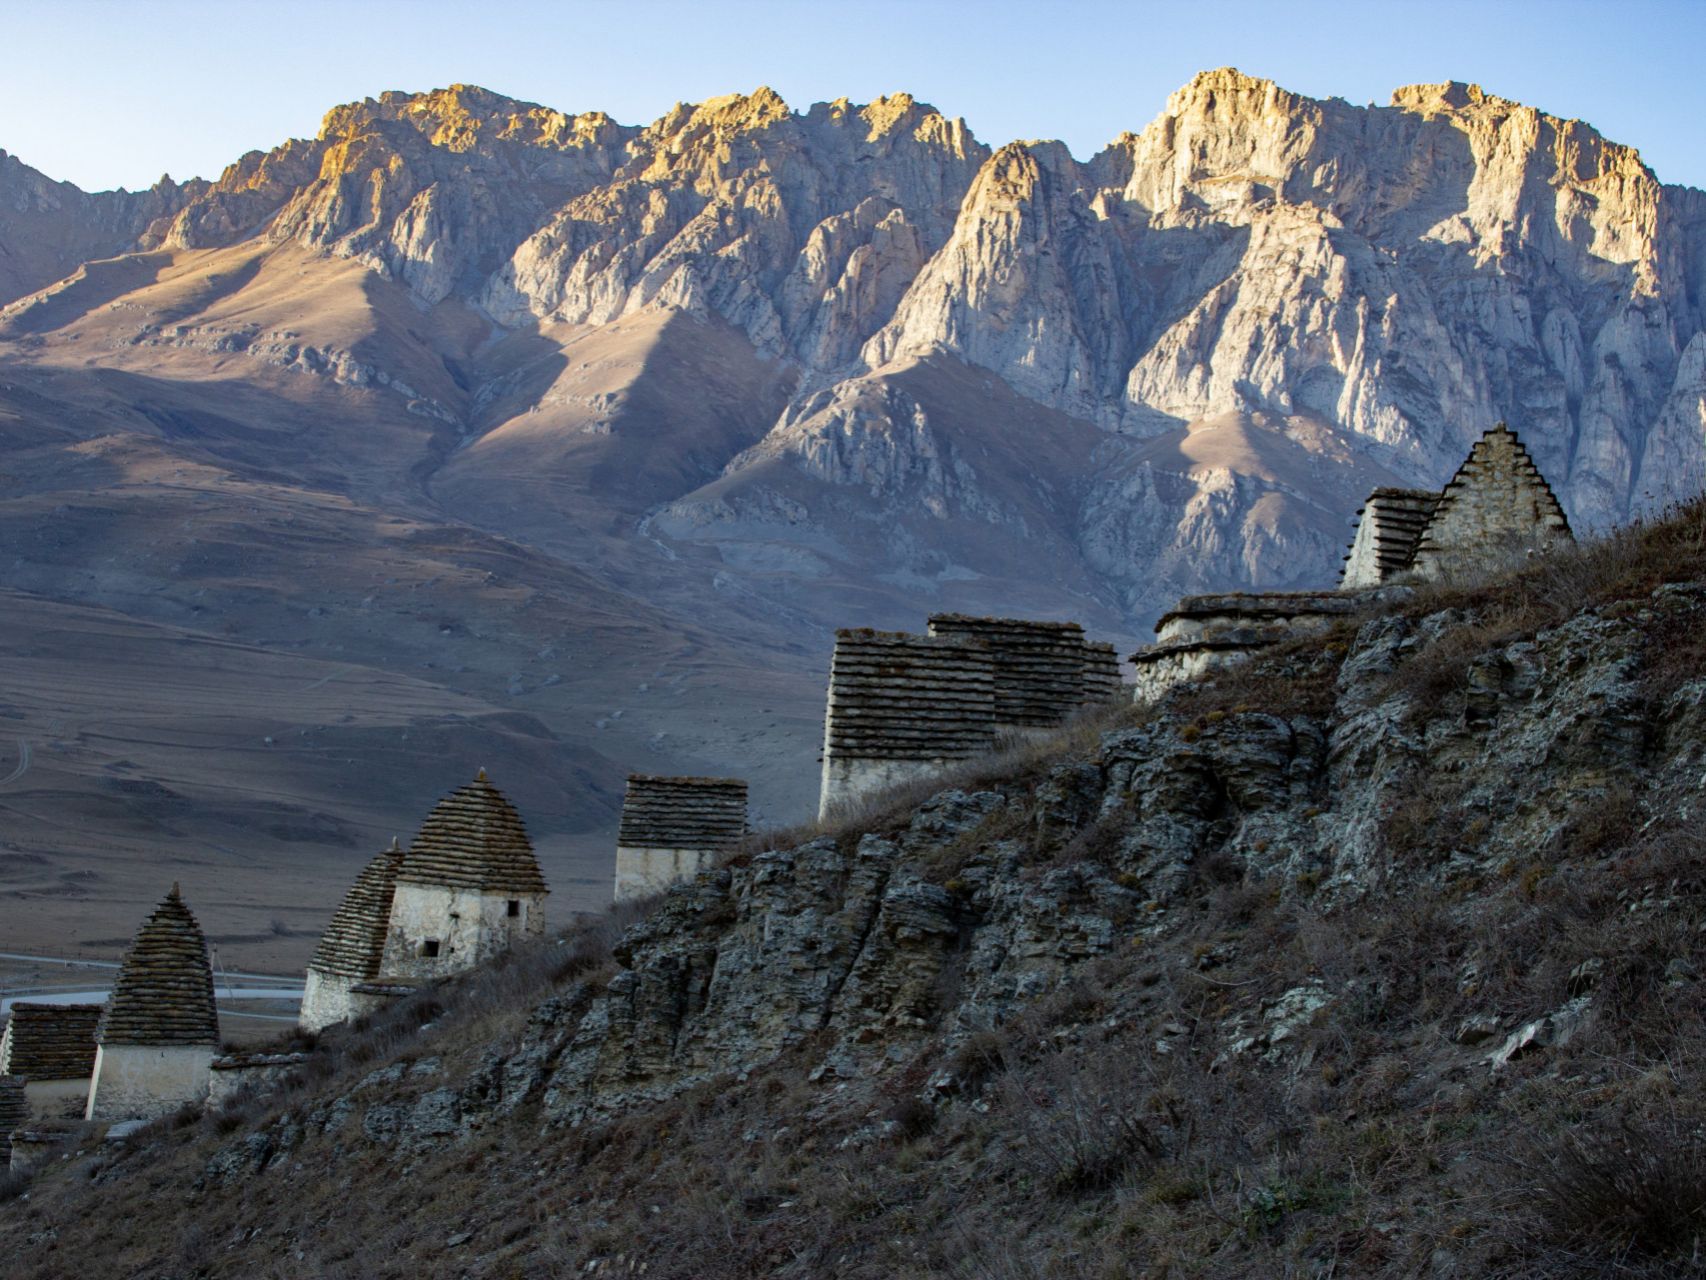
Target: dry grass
point(1137, 1118)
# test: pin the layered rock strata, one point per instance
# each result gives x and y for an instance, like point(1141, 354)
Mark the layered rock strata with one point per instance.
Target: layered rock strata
point(672, 827)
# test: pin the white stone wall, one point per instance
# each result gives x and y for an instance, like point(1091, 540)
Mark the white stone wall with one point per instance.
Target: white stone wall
point(643, 871)
point(846, 781)
point(142, 1082)
point(56, 1099)
point(1155, 678)
point(468, 926)
point(325, 1000)
point(1363, 567)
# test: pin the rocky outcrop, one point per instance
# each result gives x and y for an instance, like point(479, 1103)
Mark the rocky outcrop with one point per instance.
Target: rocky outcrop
point(862, 944)
point(802, 230)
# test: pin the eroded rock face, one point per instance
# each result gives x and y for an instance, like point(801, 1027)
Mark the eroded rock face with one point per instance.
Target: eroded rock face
point(1409, 273)
point(48, 229)
point(802, 230)
point(1204, 345)
point(862, 946)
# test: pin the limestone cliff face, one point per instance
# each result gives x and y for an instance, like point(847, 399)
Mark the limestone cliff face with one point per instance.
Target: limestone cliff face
point(1408, 273)
point(434, 189)
point(803, 230)
point(1361, 290)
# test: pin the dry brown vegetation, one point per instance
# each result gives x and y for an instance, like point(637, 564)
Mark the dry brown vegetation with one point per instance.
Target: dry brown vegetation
point(1139, 1120)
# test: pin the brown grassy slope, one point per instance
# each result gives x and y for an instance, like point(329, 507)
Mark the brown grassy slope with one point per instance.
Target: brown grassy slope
point(1175, 1108)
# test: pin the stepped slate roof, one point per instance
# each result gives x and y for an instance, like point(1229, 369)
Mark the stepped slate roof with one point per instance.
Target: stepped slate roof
point(1498, 458)
point(1101, 674)
point(908, 697)
point(683, 813)
point(14, 1113)
point(50, 1041)
point(354, 941)
point(164, 992)
point(1396, 518)
point(474, 839)
point(1039, 666)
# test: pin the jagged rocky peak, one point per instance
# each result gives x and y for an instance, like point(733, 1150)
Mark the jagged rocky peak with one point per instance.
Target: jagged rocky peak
point(464, 117)
point(1407, 274)
point(801, 229)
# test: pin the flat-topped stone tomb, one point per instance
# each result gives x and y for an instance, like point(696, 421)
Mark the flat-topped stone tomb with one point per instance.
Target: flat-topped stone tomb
point(900, 707)
point(51, 1047)
point(671, 827)
point(1040, 667)
point(1206, 632)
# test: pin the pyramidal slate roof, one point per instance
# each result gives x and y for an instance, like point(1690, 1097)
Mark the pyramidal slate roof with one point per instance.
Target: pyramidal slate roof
point(354, 941)
point(474, 839)
point(164, 992)
point(50, 1041)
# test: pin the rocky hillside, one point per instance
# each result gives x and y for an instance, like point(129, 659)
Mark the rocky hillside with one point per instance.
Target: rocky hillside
point(587, 435)
point(1379, 956)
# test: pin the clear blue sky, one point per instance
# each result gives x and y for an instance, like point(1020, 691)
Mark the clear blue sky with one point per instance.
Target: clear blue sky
point(107, 93)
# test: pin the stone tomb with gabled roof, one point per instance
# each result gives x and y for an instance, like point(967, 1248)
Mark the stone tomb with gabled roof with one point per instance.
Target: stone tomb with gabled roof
point(353, 947)
point(159, 1030)
point(671, 827)
point(468, 888)
point(1497, 507)
point(51, 1047)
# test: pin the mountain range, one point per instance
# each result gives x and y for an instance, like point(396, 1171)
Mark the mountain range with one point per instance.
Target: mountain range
point(473, 432)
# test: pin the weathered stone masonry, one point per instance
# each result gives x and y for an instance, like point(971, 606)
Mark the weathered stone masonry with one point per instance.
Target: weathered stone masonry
point(1389, 525)
point(671, 827)
point(1205, 632)
point(1498, 505)
point(468, 888)
point(902, 706)
point(1040, 667)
